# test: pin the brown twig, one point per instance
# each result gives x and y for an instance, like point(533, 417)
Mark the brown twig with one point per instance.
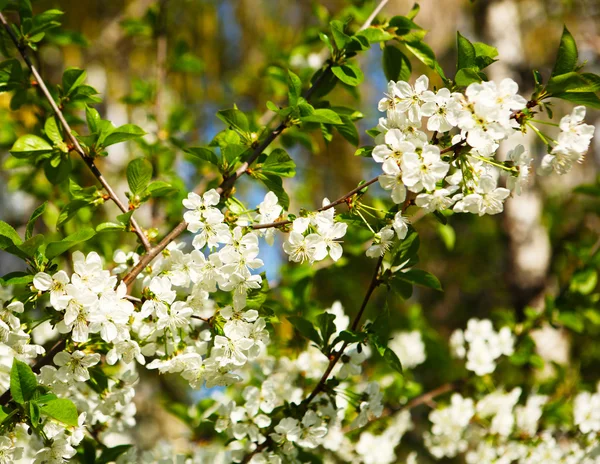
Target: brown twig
point(72, 139)
point(324, 208)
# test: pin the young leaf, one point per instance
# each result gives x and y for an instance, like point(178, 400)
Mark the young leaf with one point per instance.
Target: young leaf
point(275, 184)
point(22, 382)
point(160, 188)
point(52, 130)
point(93, 118)
point(111, 454)
point(8, 236)
point(294, 88)
point(420, 277)
point(16, 278)
point(424, 53)
point(204, 154)
point(57, 248)
point(306, 328)
point(392, 359)
point(340, 38)
point(348, 130)
point(466, 53)
point(279, 163)
point(396, 66)
point(349, 74)
point(234, 118)
point(62, 410)
point(566, 59)
point(31, 223)
point(30, 145)
point(326, 326)
point(72, 78)
point(57, 169)
point(403, 25)
point(139, 174)
point(122, 134)
point(322, 115)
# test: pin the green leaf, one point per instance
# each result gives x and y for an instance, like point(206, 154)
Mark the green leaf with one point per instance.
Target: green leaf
point(396, 66)
point(275, 184)
point(340, 38)
point(52, 130)
point(466, 53)
point(326, 326)
point(22, 381)
point(111, 454)
point(160, 188)
point(204, 154)
point(122, 134)
point(16, 278)
point(348, 73)
point(485, 54)
point(8, 236)
point(62, 410)
point(69, 210)
point(57, 248)
point(403, 25)
point(72, 78)
point(573, 82)
point(420, 277)
point(278, 162)
point(322, 116)
point(467, 76)
point(365, 152)
point(348, 130)
point(26, 249)
point(306, 328)
point(139, 174)
point(572, 320)
point(424, 53)
point(234, 118)
point(294, 88)
point(93, 118)
point(588, 99)
point(375, 34)
point(566, 59)
point(34, 216)
point(588, 189)
point(109, 227)
point(30, 145)
point(349, 336)
point(59, 172)
point(414, 11)
point(584, 281)
point(391, 358)
point(402, 288)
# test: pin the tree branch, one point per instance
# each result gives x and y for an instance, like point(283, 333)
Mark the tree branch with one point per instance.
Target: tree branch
point(324, 208)
point(73, 140)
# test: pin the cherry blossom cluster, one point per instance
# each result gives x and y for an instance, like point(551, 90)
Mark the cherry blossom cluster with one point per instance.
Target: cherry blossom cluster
point(481, 345)
point(465, 175)
point(497, 429)
point(316, 236)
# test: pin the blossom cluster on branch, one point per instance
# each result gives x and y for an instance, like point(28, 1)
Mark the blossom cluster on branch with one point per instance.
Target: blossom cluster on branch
point(287, 380)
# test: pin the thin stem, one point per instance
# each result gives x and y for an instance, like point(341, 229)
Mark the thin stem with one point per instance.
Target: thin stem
point(74, 142)
point(545, 139)
point(365, 221)
point(548, 123)
point(493, 163)
point(339, 201)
